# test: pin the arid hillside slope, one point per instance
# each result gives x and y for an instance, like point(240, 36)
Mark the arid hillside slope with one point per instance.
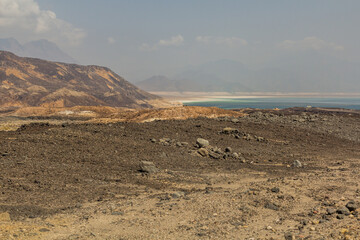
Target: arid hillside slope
point(36, 82)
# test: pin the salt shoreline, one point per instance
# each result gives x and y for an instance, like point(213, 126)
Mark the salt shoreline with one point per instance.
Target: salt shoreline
point(187, 97)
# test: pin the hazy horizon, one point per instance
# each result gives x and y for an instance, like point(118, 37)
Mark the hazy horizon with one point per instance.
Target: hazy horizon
point(139, 39)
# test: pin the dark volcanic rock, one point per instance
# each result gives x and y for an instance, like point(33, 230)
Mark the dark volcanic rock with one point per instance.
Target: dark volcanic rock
point(343, 210)
point(228, 149)
point(271, 206)
point(352, 206)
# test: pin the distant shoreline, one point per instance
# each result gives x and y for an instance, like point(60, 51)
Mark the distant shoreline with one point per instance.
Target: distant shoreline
point(186, 97)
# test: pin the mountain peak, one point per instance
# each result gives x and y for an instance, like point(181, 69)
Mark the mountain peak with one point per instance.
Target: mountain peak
point(43, 49)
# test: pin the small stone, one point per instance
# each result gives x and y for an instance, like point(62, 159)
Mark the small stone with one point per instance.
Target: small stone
point(326, 217)
point(315, 222)
point(5, 154)
point(235, 155)
point(116, 213)
point(289, 236)
point(229, 130)
point(352, 206)
point(228, 149)
point(202, 142)
point(330, 211)
point(275, 189)
point(297, 164)
point(269, 228)
point(235, 120)
point(78, 205)
point(271, 206)
point(343, 210)
point(214, 155)
point(44, 230)
point(304, 222)
point(177, 194)
point(312, 229)
point(203, 152)
point(340, 216)
point(153, 140)
point(148, 167)
point(260, 139)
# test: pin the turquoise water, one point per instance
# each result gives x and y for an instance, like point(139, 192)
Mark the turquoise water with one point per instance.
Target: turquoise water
point(284, 102)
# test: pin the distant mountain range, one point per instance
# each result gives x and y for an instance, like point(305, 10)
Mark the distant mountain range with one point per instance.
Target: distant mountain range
point(36, 82)
point(306, 72)
point(42, 49)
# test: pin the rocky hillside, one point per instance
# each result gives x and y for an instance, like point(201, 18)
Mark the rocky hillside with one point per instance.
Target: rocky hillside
point(35, 82)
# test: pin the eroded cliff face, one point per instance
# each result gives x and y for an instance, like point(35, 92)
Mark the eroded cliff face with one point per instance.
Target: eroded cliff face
point(36, 82)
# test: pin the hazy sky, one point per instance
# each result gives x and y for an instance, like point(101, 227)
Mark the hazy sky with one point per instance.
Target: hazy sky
point(141, 38)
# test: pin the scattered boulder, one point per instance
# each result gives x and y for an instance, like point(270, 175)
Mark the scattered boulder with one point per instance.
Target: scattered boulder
point(297, 164)
point(148, 167)
point(275, 190)
point(235, 120)
point(260, 139)
point(228, 149)
point(202, 142)
point(330, 211)
point(343, 210)
point(242, 159)
point(153, 140)
point(218, 150)
point(271, 206)
point(214, 155)
point(248, 137)
point(203, 152)
point(352, 206)
point(177, 194)
point(4, 154)
point(229, 130)
point(289, 236)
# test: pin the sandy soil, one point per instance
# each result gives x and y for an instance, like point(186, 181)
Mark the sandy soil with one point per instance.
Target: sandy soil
point(87, 180)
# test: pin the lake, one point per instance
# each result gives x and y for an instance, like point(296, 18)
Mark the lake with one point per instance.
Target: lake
point(278, 102)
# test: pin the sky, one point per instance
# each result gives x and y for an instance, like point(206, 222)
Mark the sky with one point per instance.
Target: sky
point(141, 38)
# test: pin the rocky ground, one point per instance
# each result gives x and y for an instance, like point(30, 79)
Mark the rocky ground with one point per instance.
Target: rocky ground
point(291, 174)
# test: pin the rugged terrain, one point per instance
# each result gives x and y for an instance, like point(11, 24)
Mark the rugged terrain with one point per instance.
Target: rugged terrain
point(35, 82)
point(289, 174)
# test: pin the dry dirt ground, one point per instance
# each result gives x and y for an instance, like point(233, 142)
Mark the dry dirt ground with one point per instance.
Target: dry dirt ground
point(74, 180)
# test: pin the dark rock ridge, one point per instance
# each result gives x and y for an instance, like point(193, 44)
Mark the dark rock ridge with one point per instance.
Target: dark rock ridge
point(36, 82)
